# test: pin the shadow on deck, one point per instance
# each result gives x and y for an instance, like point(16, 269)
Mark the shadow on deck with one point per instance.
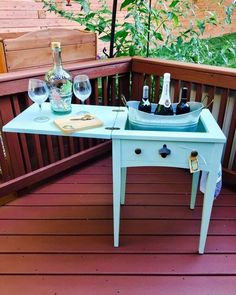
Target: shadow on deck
point(58, 237)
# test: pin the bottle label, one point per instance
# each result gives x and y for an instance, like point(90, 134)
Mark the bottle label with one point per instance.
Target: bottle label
point(167, 103)
point(66, 88)
point(164, 106)
point(165, 97)
point(60, 98)
point(145, 102)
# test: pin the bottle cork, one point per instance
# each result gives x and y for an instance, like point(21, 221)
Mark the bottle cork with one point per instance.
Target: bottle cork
point(56, 44)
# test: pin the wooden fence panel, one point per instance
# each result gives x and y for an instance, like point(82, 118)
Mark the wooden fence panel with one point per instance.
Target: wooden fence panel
point(32, 50)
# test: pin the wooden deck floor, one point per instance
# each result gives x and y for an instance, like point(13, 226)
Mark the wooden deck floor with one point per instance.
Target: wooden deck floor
point(57, 238)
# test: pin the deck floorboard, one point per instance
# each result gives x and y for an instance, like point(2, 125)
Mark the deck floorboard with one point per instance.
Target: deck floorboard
point(56, 238)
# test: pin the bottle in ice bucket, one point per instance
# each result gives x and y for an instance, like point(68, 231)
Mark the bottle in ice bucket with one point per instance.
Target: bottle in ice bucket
point(59, 82)
point(145, 105)
point(164, 106)
point(183, 106)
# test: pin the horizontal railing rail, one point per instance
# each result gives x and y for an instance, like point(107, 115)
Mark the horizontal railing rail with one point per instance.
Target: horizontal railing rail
point(22, 155)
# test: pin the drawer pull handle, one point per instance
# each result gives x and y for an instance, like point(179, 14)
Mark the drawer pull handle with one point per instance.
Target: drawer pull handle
point(164, 151)
point(138, 151)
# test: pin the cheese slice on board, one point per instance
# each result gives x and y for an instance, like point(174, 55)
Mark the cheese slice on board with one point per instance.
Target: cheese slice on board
point(76, 123)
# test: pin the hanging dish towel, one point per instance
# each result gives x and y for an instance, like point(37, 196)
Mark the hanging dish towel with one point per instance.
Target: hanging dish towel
point(218, 182)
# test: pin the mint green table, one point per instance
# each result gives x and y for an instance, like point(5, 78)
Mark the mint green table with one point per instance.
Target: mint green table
point(132, 148)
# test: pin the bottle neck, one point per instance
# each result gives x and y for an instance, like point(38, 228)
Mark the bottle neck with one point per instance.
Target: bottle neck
point(183, 99)
point(145, 92)
point(57, 63)
point(184, 95)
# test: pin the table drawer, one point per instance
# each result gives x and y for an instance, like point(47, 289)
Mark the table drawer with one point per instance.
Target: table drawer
point(147, 153)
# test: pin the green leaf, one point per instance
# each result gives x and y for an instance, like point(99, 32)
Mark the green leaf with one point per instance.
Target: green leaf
point(201, 25)
point(173, 3)
point(132, 50)
point(176, 20)
point(126, 3)
point(121, 33)
point(91, 27)
point(158, 36)
point(105, 38)
point(128, 26)
point(170, 15)
point(90, 15)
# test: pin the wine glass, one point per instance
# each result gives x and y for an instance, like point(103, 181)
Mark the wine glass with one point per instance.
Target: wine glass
point(82, 89)
point(38, 92)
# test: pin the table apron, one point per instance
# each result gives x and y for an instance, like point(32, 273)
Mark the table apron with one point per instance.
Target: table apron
point(146, 153)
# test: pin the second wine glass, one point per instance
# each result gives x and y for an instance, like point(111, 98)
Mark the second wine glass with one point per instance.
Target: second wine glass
point(82, 87)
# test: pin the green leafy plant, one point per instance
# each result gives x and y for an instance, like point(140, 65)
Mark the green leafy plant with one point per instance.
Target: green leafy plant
point(167, 29)
point(219, 51)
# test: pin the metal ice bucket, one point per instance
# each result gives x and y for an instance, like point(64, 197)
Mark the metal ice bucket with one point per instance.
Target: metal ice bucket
point(184, 122)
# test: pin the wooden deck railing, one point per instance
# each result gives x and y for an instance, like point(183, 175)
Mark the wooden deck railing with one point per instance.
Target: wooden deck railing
point(27, 159)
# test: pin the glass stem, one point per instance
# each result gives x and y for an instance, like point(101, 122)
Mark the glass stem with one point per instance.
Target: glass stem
point(40, 108)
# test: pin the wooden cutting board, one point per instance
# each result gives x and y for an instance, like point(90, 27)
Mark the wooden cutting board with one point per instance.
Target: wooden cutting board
point(76, 123)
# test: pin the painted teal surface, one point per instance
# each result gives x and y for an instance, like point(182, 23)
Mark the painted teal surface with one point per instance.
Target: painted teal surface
point(208, 140)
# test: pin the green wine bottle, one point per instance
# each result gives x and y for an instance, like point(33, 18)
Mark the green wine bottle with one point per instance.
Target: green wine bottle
point(59, 82)
point(164, 106)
